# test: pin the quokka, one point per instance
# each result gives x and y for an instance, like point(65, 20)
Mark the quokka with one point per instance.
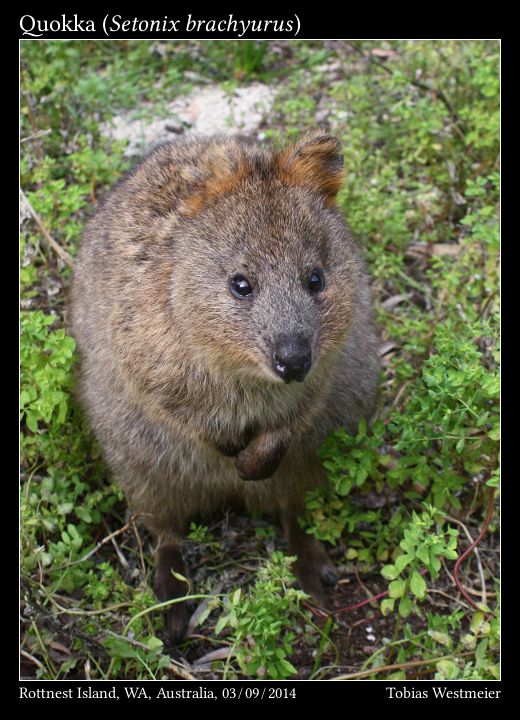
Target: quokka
point(224, 319)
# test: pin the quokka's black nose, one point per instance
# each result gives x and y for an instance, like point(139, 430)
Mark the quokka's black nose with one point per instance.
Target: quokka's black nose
point(292, 358)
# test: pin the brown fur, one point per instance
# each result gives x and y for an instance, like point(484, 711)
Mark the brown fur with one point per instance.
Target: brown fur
point(224, 168)
point(177, 374)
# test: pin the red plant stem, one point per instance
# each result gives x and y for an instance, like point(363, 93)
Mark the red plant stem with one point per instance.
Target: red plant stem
point(471, 548)
point(363, 602)
point(321, 613)
point(370, 599)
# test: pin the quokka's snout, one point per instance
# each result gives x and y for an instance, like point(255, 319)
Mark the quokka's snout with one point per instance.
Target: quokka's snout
point(292, 357)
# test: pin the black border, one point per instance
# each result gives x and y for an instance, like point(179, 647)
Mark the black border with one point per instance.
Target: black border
point(322, 23)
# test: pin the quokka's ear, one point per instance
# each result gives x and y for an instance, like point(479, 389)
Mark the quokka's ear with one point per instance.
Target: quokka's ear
point(316, 162)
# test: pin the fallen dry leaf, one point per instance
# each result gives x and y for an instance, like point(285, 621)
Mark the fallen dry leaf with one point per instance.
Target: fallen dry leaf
point(379, 52)
point(220, 654)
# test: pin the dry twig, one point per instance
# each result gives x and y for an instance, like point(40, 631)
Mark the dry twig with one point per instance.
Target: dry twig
point(108, 538)
point(180, 671)
point(397, 666)
point(121, 557)
point(64, 255)
point(140, 546)
point(30, 657)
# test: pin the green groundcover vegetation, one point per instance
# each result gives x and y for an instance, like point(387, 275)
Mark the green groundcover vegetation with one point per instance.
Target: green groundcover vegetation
point(419, 122)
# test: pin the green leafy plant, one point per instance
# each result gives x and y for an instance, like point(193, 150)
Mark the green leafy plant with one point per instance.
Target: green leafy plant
point(45, 359)
point(200, 533)
point(261, 622)
point(423, 549)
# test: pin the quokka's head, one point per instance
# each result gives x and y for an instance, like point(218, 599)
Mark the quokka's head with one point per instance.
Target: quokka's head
point(266, 273)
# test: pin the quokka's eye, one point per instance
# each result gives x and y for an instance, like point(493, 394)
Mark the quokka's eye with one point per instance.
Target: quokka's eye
point(240, 287)
point(316, 281)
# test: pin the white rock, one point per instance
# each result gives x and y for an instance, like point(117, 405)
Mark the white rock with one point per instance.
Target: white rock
point(205, 110)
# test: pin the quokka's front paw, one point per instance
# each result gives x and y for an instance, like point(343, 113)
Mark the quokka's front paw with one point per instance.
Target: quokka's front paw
point(260, 459)
point(232, 448)
point(251, 468)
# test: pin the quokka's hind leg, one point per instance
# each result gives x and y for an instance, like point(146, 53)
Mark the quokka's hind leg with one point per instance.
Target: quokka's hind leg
point(168, 586)
point(313, 568)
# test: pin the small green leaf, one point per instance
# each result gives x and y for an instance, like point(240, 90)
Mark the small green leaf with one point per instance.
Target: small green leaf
point(418, 585)
point(221, 624)
point(154, 642)
point(64, 508)
point(25, 398)
point(362, 431)
point(204, 615)
point(480, 653)
point(32, 422)
point(402, 561)
point(435, 564)
point(422, 553)
point(361, 476)
point(287, 668)
point(407, 545)
point(476, 623)
point(387, 606)
point(405, 606)
point(469, 641)
point(396, 588)
point(450, 554)
point(389, 572)
point(439, 637)
point(494, 433)
point(83, 514)
point(446, 670)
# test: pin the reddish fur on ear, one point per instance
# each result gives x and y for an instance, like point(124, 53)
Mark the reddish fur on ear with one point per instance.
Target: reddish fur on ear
point(315, 162)
point(222, 169)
